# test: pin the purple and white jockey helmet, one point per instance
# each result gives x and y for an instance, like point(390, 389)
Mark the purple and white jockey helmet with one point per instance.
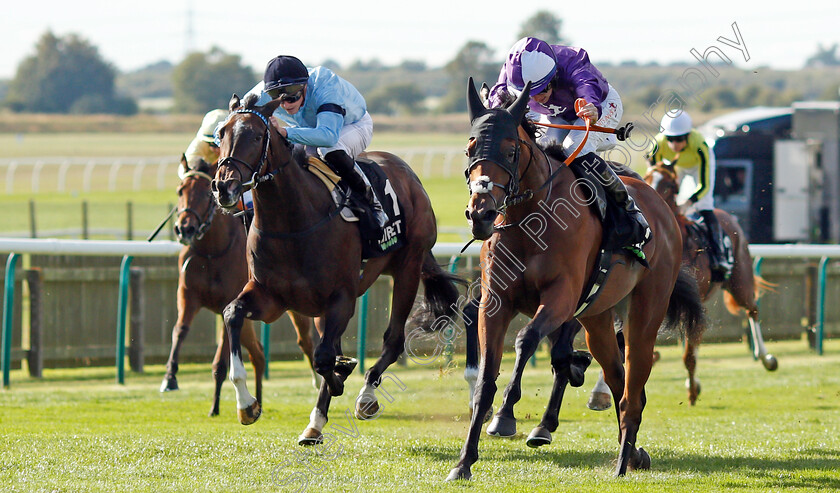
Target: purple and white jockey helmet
point(530, 59)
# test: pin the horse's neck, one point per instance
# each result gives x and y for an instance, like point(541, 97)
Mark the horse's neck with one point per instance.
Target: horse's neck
point(289, 202)
point(222, 231)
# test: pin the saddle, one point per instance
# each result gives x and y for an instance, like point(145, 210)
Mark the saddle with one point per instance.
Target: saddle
point(376, 241)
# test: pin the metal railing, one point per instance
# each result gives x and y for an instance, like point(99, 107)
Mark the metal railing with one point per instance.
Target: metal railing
point(128, 249)
point(87, 174)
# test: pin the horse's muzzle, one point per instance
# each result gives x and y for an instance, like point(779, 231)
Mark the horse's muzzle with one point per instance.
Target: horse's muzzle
point(481, 222)
point(226, 193)
point(186, 233)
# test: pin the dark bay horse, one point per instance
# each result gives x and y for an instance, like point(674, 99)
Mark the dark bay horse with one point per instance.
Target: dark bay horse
point(541, 246)
point(212, 271)
point(304, 258)
point(741, 290)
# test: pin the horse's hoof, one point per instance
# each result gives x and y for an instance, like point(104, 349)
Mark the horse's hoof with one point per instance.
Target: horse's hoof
point(459, 473)
point(366, 409)
point(502, 426)
point(599, 401)
point(770, 363)
point(169, 384)
point(577, 370)
point(640, 461)
point(539, 436)
point(310, 436)
point(250, 414)
point(213, 412)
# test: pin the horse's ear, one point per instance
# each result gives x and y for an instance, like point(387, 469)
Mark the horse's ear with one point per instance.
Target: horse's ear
point(269, 107)
point(234, 102)
point(484, 92)
point(475, 106)
point(520, 106)
point(184, 162)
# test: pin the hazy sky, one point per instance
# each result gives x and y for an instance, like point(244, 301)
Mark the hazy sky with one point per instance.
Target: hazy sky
point(132, 35)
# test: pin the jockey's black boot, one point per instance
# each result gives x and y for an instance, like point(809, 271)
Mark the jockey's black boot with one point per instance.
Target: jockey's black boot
point(345, 167)
point(633, 230)
point(718, 259)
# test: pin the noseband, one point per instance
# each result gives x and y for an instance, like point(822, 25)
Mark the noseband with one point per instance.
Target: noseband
point(204, 224)
point(256, 172)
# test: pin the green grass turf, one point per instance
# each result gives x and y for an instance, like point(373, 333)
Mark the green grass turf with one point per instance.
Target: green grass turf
point(76, 430)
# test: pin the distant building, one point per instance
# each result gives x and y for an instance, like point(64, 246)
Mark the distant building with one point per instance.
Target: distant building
point(778, 171)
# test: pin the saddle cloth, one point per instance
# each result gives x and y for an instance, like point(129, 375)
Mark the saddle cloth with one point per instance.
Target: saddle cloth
point(376, 241)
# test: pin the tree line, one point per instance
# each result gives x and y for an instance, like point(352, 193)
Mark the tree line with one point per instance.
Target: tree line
point(66, 74)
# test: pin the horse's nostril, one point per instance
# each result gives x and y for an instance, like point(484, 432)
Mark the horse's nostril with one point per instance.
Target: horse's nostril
point(214, 186)
point(467, 213)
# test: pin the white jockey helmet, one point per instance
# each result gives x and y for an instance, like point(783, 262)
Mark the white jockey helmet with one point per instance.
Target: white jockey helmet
point(208, 125)
point(677, 124)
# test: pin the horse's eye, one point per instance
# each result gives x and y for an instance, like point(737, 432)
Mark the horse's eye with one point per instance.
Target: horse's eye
point(511, 153)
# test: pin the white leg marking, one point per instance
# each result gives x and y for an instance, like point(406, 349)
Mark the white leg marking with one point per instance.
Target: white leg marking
point(238, 376)
point(471, 376)
point(758, 341)
point(317, 420)
point(601, 385)
point(367, 394)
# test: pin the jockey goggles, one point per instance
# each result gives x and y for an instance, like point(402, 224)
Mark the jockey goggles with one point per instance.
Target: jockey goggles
point(287, 94)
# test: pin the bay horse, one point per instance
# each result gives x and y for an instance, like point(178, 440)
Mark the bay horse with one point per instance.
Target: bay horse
point(740, 292)
point(302, 258)
point(212, 271)
point(541, 246)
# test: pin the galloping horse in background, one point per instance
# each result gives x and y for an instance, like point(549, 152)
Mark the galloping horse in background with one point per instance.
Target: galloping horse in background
point(303, 259)
point(538, 257)
point(741, 290)
point(213, 270)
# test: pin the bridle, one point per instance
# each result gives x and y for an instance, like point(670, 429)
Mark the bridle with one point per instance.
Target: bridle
point(259, 175)
point(256, 172)
point(512, 197)
point(204, 222)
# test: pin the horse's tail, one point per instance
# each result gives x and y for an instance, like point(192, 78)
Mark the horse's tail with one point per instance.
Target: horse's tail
point(761, 286)
point(441, 296)
point(685, 309)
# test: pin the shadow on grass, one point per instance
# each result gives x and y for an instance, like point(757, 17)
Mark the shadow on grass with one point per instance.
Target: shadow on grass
point(813, 468)
point(560, 457)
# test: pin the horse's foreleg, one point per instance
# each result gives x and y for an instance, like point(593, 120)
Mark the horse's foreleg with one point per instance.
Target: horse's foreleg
point(491, 346)
point(470, 315)
point(257, 356)
point(406, 283)
point(303, 328)
point(186, 313)
point(220, 368)
point(527, 342)
point(340, 309)
point(252, 303)
point(313, 434)
point(566, 365)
